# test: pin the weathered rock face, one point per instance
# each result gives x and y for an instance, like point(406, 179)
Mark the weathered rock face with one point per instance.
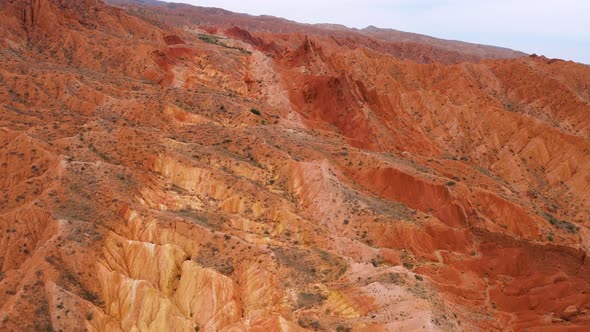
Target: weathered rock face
point(164, 172)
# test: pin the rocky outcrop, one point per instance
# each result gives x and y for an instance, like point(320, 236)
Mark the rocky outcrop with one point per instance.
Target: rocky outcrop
point(164, 171)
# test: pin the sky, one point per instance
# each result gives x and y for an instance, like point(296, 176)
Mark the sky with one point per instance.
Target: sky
point(554, 28)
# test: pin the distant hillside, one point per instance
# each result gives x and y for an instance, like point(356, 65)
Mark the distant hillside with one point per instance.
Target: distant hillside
point(188, 15)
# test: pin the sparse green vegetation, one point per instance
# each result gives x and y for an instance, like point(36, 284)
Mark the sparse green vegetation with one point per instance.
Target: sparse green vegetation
point(309, 323)
point(310, 299)
point(217, 40)
point(561, 224)
point(342, 328)
point(377, 261)
point(211, 39)
point(256, 112)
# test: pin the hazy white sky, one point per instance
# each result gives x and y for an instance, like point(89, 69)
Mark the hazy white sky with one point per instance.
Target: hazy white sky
point(555, 28)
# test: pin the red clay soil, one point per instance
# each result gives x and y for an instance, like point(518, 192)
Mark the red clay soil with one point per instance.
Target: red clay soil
point(172, 168)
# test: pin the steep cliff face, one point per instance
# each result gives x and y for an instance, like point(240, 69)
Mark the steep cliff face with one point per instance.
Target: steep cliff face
point(167, 174)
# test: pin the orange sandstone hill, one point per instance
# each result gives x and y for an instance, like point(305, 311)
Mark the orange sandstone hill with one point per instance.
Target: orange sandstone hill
point(175, 168)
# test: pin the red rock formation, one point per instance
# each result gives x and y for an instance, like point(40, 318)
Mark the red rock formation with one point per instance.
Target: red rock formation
point(167, 168)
